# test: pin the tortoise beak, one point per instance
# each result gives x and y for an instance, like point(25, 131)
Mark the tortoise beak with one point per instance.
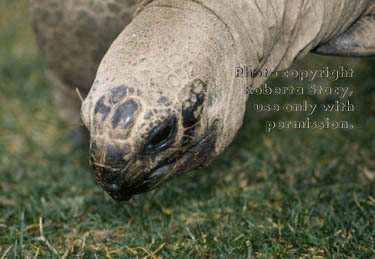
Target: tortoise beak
point(116, 185)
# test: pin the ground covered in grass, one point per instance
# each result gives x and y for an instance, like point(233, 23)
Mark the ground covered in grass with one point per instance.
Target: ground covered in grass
point(287, 193)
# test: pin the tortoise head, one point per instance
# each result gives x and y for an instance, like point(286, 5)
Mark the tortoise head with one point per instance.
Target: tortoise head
point(153, 110)
point(136, 145)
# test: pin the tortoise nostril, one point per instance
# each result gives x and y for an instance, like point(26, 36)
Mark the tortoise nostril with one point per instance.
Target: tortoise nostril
point(161, 137)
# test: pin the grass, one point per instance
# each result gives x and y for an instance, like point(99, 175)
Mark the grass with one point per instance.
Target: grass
point(287, 193)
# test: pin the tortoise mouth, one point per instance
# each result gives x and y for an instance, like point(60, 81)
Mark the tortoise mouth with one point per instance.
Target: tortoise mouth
point(121, 188)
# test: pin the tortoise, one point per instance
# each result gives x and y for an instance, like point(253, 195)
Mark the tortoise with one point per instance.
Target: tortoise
point(164, 98)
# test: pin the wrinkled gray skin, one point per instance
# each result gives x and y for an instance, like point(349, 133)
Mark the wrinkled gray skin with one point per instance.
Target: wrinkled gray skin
point(165, 99)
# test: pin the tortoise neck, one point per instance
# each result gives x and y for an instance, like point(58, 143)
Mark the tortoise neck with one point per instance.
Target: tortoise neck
point(270, 35)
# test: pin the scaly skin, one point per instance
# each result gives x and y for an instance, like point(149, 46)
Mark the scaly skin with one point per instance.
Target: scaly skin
point(166, 100)
point(152, 83)
point(173, 47)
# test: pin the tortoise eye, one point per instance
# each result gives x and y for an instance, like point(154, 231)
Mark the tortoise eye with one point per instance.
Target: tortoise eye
point(161, 137)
